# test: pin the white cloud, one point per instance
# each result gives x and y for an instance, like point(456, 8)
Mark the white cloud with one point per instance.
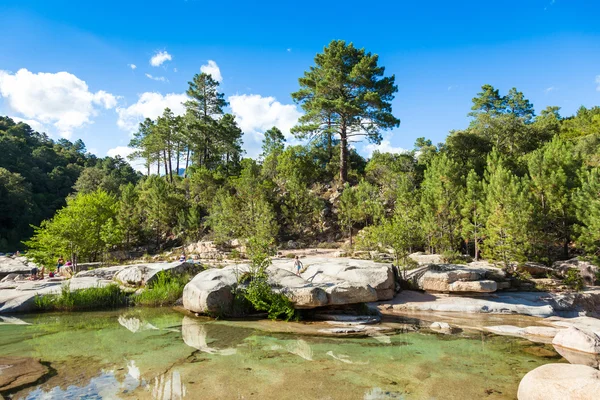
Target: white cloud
point(157, 78)
point(550, 89)
point(174, 69)
point(384, 147)
point(289, 50)
point(132, 66)
point(35, 125)
point(213, 70)
point(598, 82)
point(149, 105)
point(61, 98)
point(159, 58)
point(256, 114)
point(123, 152)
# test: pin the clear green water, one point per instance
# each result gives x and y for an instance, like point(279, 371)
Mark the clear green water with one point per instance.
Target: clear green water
point(162, 354)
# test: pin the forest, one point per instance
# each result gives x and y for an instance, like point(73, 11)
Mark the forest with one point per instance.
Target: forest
point(515, 185)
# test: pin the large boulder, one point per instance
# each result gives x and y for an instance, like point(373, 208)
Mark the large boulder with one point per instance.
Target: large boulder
point(143, 274)
point(577, 339)
point(323, 282)
point(586, 269)
point(211, 291)
point(456, 279)
point(15, 265)
point(560, 382)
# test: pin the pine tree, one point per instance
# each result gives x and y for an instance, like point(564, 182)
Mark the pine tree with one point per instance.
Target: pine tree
point(442, 191)
point(508, 209)
point(473, 212)
point(587, 203)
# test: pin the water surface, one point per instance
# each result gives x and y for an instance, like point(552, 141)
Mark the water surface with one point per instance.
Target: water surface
point(163, 354)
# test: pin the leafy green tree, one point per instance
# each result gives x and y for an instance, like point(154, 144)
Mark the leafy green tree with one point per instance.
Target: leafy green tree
point(348, 210)
point(272, 147)
point(79, 230)
point(553, 172)
point(587, 203)
point(128, 214)
point(473, 212)
point(16, 203)
point(508, 207)
point(346, 93)
point(442, 191)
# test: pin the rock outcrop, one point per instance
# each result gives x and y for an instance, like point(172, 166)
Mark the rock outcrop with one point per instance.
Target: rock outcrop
point(323, 282)
point(138, 275)
point(560, 382)
point(577, 339)
point(586, 269)
point(452, 278)
point(14, 265)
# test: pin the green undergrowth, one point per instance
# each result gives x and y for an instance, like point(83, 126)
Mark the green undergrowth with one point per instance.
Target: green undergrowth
point(96, 298)
point(164, 291)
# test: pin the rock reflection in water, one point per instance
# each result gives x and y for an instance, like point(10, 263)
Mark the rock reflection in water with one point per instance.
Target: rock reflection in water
point(134, 324)
point(301, 348)
point(195, 335)
point(168, 387)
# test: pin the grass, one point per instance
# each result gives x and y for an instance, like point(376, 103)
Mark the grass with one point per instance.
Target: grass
point(96, 298)
point(165, 290)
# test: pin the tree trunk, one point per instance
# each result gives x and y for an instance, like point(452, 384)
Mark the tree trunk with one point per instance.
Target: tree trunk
point(187, 162)
point(178, 152)
point(343, 156)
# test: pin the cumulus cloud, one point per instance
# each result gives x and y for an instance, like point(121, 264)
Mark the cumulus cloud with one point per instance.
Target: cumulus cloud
point(384, 147)
point(157, 78)
point(213, 70)
point(35, 125)
point(255, 113)
point(132, 66)
point(60, 99)
point(598, 83)
point(123, 152)
point(159, 58)
point(149, 105)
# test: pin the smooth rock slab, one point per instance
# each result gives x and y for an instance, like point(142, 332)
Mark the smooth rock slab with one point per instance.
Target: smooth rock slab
point(19, 371)
point(577, 339)
point(137, 275)
point(560, 382)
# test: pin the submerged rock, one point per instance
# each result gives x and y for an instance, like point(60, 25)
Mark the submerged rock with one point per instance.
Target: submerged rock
point(560, 382)
point(19, 371)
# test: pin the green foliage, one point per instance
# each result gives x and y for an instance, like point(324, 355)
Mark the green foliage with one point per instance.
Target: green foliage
point(508, 207)
point(263, 298)
point(83, 230)
point(164, 291)
point(96, 298)
point(345, 94)
point(587, 201)
point(441, 197)
point(574, 280)
point(454, 257)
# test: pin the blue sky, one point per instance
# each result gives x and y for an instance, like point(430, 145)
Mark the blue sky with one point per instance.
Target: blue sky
point(65, 67)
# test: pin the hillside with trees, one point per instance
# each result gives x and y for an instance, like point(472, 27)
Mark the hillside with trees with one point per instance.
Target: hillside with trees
point(515, 185)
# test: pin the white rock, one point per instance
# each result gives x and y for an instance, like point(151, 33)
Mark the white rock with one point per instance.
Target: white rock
point(577, 339)
point(440, 326)
point(211, 291)
point(560, 382)
point(142, 274)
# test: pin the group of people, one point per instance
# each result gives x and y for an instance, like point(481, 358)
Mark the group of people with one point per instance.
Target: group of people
point(62, 269)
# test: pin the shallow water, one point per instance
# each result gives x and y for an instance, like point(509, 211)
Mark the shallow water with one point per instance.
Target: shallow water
point(162, 354)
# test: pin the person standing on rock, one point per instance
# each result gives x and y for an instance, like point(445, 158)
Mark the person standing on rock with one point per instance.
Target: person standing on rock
point(298, 265)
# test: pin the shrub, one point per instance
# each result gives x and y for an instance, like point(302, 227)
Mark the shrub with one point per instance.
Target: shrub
point(574, 280)
point(263, 298)
point(454, 257)
point(100, 297)
point(165, 290)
